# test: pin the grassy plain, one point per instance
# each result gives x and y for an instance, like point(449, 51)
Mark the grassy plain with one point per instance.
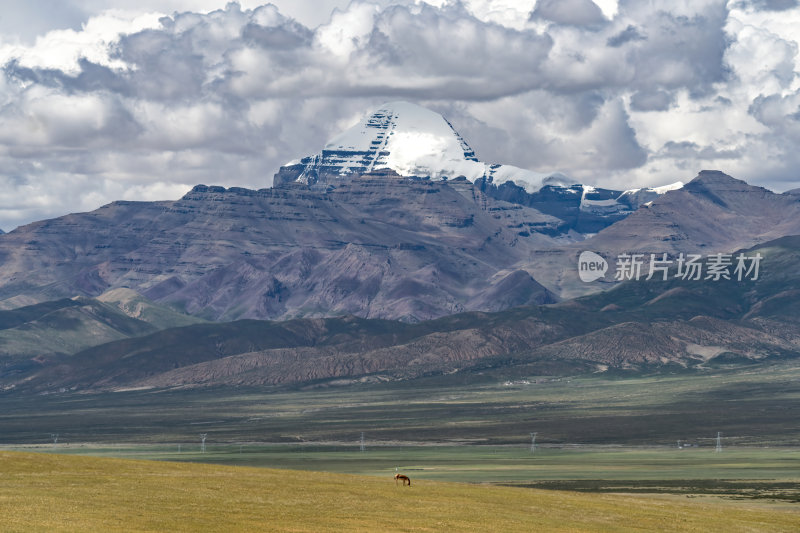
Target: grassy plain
point(759, 406)
point(594, 433)
point(598, 436)
point(49, 492)
point(754, 473)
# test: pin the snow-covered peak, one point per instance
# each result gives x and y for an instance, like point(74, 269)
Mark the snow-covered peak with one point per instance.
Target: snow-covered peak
point(409, 122)
point(658, 190)
point(411, 140)
point(671, 187)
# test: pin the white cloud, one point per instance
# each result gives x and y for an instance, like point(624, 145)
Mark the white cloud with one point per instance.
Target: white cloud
point(347, 30)
point(62, 48)
point(149, 98)
point(608, 7)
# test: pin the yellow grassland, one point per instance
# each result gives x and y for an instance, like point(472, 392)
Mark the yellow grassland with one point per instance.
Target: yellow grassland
point(48, 492)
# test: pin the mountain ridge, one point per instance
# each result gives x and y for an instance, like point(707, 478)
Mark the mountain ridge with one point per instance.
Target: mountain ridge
point(376, 246)
point(713, 213)
point(412, 141)
point(676, 325)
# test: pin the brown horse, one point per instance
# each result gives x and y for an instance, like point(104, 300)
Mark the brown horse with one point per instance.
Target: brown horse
point(403, 478)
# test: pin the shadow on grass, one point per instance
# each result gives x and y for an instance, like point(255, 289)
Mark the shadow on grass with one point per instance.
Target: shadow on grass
point(735, 489)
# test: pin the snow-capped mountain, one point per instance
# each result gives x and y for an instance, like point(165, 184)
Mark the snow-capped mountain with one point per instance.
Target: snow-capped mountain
point(406, 138)
point(411, 140)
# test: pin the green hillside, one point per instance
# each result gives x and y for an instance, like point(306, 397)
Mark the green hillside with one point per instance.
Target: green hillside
point(66, 326)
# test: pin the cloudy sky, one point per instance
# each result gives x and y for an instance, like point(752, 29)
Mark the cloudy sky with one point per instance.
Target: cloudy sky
point(115, 99)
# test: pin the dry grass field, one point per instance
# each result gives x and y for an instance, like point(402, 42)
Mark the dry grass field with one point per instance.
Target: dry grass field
point(49, 492)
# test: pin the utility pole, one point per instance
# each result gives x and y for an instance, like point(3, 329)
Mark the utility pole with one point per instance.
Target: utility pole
point(363, 447)
point(54, 436)
point(203, 439)
point(719, 443)
point(533, 443)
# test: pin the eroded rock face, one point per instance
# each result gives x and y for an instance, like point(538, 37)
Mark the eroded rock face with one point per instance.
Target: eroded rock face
point(376, 246)
point(580, 208)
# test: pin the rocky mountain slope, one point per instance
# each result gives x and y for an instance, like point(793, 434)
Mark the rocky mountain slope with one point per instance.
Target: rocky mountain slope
point(713, 213)
point(376, 246)
point(338, 235)
point(640, 325)
point(582, 209)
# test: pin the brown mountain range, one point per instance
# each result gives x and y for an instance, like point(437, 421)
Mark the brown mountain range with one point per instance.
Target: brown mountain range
point(638, 326)
point(376, 246)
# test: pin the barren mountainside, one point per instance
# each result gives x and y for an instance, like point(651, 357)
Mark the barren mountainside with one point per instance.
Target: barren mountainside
point(377, 246)
point(713, 213)
point(638, 326)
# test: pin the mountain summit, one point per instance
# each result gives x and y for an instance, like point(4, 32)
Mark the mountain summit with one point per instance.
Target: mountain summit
point(402, 139)
point(408, 139)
